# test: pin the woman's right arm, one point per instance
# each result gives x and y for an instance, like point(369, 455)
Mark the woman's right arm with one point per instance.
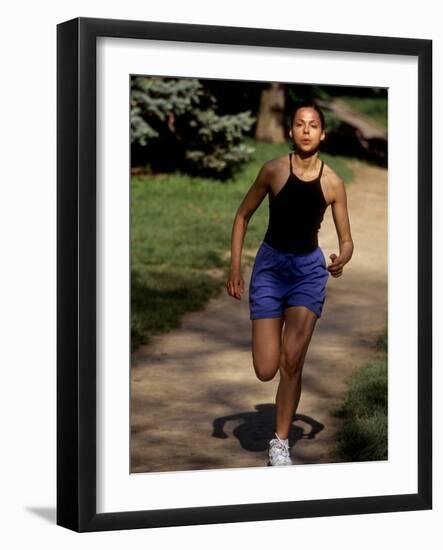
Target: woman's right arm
point(252, 200)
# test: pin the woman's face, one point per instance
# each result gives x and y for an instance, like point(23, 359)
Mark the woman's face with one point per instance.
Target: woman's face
point(306, 131)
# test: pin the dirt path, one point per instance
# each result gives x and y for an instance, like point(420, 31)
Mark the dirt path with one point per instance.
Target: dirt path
point(196, 402)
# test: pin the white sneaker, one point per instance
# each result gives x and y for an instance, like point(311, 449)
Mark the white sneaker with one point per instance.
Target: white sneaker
point(279, 454)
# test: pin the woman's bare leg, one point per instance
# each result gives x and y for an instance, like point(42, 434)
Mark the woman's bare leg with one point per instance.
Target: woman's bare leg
point(299, 327)
point(266, 346)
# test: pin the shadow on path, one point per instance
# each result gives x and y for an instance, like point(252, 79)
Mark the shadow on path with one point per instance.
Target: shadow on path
point(257, 428)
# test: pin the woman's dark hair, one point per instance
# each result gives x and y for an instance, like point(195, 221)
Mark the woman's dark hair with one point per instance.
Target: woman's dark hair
point(313, 105)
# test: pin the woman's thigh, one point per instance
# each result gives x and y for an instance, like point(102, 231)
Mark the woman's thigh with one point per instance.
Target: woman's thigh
point(266, 346)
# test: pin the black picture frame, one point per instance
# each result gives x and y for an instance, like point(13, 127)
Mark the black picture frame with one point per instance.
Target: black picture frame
point(76, 273)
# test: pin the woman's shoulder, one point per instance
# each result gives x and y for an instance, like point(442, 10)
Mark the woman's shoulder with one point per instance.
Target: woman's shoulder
point(277, 163)
point(335, 185)
point(331, 175)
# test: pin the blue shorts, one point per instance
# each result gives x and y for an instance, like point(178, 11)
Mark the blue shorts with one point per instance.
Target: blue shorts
point(282, 279)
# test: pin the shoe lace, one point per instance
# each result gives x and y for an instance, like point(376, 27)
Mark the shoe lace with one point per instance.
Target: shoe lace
point(283, 446)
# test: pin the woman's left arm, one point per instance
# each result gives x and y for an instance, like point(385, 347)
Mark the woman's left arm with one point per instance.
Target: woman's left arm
point(341, 220)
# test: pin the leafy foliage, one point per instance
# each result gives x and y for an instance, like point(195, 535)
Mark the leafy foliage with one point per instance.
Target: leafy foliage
point(175, 126)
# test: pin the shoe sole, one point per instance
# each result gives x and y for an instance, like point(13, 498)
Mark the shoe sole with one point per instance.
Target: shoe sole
point(269, 464)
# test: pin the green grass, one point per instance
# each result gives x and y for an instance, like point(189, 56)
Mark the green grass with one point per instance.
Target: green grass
point(364, 434)
point(181, 229)
point(374, 108)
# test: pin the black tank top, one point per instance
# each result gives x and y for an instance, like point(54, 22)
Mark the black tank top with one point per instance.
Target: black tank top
point(295, 214)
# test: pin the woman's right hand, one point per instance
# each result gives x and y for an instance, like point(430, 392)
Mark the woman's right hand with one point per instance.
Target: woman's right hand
point(235, 285)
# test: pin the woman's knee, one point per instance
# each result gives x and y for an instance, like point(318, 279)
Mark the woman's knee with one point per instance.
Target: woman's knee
point(292, 361)
point(265, 368)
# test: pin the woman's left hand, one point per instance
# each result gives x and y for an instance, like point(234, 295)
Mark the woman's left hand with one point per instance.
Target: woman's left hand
point(335, 268)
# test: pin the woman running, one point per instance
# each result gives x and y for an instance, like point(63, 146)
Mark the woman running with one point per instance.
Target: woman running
point(288, 281)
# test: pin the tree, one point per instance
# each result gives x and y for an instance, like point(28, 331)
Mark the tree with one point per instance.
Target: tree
point(175, 126)
point(270, 119)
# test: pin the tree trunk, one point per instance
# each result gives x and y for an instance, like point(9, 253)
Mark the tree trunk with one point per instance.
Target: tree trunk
point(270, 118)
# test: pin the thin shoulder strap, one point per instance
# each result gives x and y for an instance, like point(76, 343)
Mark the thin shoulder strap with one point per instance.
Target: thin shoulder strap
point(321, 169)
point(290, 163)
